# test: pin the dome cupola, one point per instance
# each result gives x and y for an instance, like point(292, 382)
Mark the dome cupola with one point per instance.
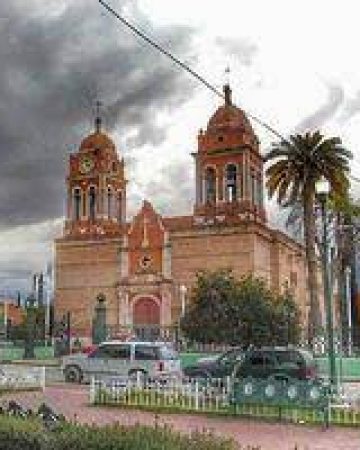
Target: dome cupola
point(97, 140)
point(228, 127)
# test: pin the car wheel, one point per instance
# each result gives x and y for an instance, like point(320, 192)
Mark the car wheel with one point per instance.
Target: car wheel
point(73, 374)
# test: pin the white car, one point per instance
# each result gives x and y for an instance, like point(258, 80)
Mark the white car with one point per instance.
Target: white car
point(156, 360)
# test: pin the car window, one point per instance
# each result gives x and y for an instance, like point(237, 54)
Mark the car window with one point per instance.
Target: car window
point(146, 352)
point(121, 351)
point(269, 360)
point(100, 352)
point(256, 359)
point(168, 353)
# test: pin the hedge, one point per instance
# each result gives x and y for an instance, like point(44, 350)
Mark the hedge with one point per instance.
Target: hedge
point(29, 434)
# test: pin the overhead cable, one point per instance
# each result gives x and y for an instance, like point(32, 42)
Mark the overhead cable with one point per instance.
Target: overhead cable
point(184, 66)
point(188, 69)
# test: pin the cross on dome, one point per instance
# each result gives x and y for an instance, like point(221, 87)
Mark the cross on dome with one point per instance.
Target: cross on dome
point(98, 119)
point(226, 87)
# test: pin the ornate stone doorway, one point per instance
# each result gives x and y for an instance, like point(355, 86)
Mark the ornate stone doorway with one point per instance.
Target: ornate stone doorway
point(146, 317)
point(146, 311)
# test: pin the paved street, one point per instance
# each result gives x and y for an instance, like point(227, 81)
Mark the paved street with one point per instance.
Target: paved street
point(71, 400)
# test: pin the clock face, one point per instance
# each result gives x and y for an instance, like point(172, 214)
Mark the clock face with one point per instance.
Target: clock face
point(86, 164)
point(145, 262)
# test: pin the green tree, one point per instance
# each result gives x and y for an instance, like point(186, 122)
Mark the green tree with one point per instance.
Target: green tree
point(346, 221)
point(245, 312)
point(206, 319)
point(296, 165)
point(36, 315)
point(286, 315)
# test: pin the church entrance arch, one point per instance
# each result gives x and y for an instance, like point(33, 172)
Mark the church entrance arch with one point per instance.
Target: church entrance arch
point(146, 317)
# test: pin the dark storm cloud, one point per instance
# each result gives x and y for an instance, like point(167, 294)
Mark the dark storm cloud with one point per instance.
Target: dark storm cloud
point(57, 58)
point(323, 114)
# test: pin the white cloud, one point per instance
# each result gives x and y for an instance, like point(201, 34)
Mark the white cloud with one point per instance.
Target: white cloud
point(24, 250)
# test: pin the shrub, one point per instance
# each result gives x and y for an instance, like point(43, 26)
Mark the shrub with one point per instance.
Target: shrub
point(29, 434)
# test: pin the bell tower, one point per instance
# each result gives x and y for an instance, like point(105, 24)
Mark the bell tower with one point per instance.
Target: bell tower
point(96, 187)
point(229, 169)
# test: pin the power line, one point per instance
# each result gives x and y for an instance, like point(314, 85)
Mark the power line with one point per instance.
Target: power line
point(160, 49)
point(188, 69)
point(184, 66)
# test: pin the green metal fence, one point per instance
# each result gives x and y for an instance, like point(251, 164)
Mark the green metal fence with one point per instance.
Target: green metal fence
point(13, 353)
point(347, 369)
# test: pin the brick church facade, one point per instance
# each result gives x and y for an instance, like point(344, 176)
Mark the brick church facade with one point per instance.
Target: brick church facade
point(145, 268)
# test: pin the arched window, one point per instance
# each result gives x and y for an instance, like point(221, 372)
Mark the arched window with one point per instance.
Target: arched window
point(77, 203)
point(253, 189)
point(92, 203)
point(119, 207)
point(111, 199)
point(260, 192)
point(109, 202)
point(210, 185)
point(230, 183)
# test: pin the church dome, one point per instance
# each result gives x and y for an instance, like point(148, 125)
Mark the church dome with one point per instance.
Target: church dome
point(229, 117)
point(228, 128)
point(97, 140)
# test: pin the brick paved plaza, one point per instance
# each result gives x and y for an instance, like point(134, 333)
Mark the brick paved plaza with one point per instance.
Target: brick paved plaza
point(72, 401)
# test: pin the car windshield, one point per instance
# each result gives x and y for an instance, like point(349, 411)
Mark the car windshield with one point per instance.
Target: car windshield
point(168, 353)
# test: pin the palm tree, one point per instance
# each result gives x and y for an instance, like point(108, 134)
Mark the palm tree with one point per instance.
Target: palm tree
point(296, 165)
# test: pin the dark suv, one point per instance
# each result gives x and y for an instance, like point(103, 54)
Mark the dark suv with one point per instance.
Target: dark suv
point(278, 362)
point(217, 366)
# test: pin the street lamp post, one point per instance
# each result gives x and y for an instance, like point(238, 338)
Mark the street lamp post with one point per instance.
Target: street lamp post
point(322, 191)
point(6, 319)
point(30, 324)
point(183, 291)
point(348, 310)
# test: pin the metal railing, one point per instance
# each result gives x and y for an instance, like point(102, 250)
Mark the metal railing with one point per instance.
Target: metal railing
point(210, 395)
point(297, 401)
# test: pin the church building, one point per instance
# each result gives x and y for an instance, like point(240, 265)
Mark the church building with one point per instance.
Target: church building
point(145, 268)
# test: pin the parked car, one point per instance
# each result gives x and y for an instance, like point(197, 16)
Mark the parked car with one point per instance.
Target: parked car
point(217, 366)
point(278, 362)
point(116, 358)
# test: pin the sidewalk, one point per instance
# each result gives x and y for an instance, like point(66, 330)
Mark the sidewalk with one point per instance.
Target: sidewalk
point(72, 402)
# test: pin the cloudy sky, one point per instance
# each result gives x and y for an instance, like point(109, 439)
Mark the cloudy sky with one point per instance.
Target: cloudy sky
point(293, 65)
